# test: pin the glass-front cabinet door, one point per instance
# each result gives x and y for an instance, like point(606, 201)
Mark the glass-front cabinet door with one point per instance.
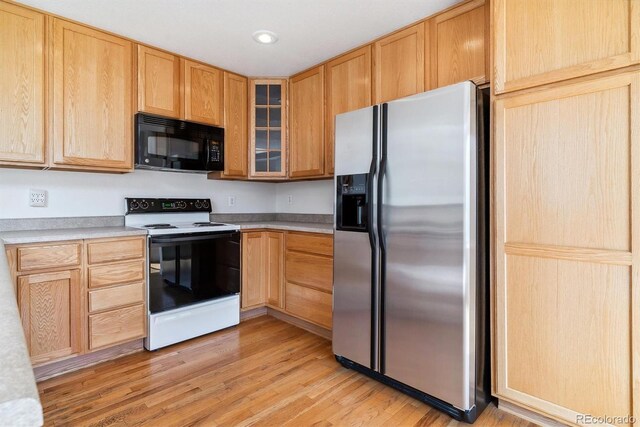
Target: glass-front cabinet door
point(268, 128)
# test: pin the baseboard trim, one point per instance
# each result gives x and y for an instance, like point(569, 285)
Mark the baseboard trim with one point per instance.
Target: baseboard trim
point(528, 414)
point(307, 326)
point(253, 312)
point(54, 369)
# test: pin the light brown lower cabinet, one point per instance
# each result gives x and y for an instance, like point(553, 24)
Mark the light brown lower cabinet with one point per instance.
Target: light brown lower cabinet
point(568, 249)
point(262, 269)
point(51, 312)
point(75, 297)
point(289, 271)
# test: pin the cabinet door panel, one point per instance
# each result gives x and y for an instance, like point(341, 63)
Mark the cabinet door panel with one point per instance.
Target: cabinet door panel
point(22, 85)
point(348, 88)
point(203, 96)
point(568, 247)
point(236, 142)
point(459, 43)
point(563, 39)
point(158, 82)
point(275, 268)
point(50, 309)
point(92, 116)
point(306, 143)
point(253, 270)
point(399, 64)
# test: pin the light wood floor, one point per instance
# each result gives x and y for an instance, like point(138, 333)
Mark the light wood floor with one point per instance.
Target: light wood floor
point(263, 372)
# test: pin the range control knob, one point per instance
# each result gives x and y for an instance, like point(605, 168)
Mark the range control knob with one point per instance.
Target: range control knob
point(205, 204)
point(198, 204)
point(181, 205)
point(144, 205)
point(134, 205)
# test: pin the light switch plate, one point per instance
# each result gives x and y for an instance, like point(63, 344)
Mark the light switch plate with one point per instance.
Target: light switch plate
point(232, 200)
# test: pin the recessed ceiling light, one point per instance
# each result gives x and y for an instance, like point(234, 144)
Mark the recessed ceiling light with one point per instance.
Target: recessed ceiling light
point(265, 37)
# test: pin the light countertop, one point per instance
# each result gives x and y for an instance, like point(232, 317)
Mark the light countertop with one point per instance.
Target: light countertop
point(55, 235)
point(308, 227)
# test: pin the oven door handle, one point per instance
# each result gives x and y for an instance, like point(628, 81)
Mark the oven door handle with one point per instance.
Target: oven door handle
point(208, 236)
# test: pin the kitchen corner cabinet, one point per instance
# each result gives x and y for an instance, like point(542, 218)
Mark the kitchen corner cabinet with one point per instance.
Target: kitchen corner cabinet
point(236, 126)
point(253, 292)
point(203, 93)
point(399, 64)
point(75, 297)
point(22, 85)
point(348, 88)
point(274, 262)
point(562, 39)
point(262, 269)
point(306, 127)
point(268, 129)
point(158, 82)
point(458, 47)
point(568, 253)
point(91, 98)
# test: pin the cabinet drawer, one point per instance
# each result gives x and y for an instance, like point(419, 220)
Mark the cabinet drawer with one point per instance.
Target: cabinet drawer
point(310, 270)
point(309, 304)
point(49, 256)
point(116, 326)
point(115, 250)
point(320, 244)
point(114, 274)
point(102, 299)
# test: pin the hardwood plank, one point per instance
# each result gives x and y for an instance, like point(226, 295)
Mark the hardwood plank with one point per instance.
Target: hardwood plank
point(263, 372)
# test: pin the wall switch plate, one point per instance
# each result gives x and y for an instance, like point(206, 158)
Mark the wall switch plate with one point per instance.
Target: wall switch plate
point(38, 198)
point(232, 200)
point(290, 199)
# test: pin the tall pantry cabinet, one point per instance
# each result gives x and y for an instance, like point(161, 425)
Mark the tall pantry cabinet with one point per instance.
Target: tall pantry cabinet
point(567, 207)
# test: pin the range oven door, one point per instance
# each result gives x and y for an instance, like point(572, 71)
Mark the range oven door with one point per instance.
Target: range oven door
point(163, 143)
point(186, 269)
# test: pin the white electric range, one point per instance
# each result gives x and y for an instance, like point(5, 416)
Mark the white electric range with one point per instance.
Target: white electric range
point(193, 275)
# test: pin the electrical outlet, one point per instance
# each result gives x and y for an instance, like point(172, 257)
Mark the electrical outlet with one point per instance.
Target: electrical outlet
point(38, 198)
point(290, 199)
point(232, 200)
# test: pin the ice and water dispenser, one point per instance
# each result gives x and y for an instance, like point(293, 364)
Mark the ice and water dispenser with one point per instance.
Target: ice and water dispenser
point(352, 203)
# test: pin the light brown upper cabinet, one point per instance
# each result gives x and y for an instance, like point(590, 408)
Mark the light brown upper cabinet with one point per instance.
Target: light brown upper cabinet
point(348, 84)
point(399, 64)
point(22, 136)
point(158, 82)
point(568, 247)
point(563, 39)
point(236, 143)
point(458, 45)
point(306, 142)
point(203, 96)
point(91, 121)
point(268, 128)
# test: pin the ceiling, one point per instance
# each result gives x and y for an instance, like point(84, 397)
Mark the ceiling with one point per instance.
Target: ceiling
point(219, 31)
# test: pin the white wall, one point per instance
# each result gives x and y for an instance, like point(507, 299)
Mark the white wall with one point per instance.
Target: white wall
point(99, 194)
point(307, 197)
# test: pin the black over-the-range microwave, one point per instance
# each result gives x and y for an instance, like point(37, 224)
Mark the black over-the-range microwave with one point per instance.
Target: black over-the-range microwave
point(176, 145)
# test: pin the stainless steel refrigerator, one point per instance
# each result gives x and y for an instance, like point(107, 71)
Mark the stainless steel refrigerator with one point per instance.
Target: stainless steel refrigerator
point(410, 301)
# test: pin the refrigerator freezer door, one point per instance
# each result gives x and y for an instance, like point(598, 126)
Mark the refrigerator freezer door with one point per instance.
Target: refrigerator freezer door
point(354, 252)
point(428, 227)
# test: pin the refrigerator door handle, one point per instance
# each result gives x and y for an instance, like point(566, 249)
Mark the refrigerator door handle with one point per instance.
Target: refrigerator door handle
point(382, 236)
point(373, 240)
